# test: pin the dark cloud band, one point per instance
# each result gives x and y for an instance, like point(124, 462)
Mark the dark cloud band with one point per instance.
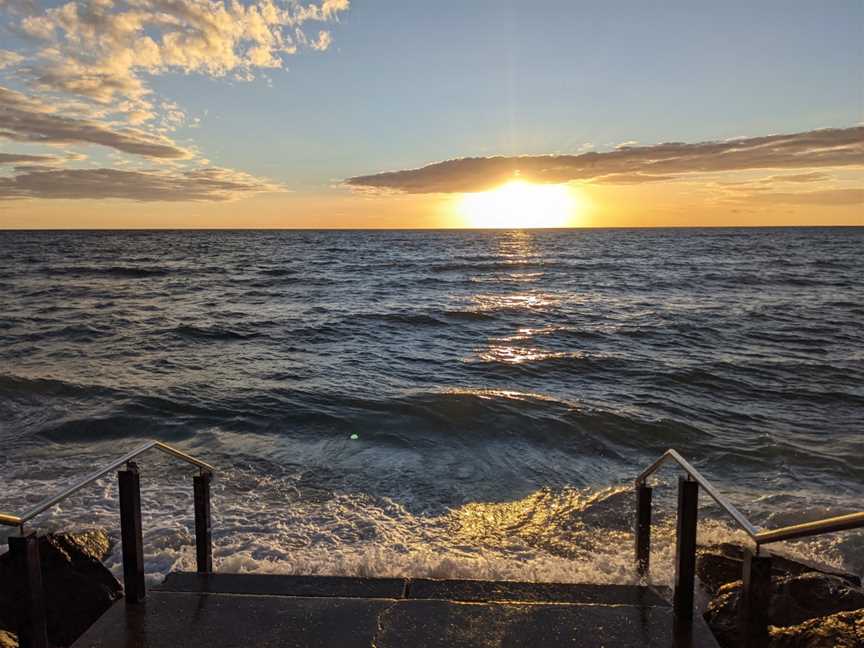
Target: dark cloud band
point(207, 184)
point(23, 119)
point(832, 147)
point(14, 158)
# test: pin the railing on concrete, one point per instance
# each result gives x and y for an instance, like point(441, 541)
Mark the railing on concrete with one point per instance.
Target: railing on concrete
point(756, 568)
point(24, 547)
point(756, 576)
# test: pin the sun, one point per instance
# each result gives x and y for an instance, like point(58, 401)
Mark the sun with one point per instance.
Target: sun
point(519, 205)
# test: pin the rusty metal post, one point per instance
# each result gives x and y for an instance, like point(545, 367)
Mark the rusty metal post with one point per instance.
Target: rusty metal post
point(130, 533)
point(643, 529)
point(203, 538)
point(685, 555)
point(755, 599)
point(29, 594)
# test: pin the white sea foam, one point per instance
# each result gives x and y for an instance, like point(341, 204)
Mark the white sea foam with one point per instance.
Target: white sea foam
point(269, 524)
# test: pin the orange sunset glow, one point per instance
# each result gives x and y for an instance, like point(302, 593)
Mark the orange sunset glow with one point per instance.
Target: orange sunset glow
point(520, 205)
point(265, 131)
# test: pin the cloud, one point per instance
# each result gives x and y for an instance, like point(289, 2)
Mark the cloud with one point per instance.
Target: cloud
point(835, 197)
point(633, 178)
point(19, 7)
point(832, 147)
point(13, 158)
point(103, 50)
point(202, 184)
point(8, 59)
point(26, 119)
point(814, 176)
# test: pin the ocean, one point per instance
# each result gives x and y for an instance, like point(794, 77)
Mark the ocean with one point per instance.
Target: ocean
point(436, 403)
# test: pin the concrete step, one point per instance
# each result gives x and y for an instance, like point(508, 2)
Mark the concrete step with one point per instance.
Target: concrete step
point(415, 588)
point(251, 610)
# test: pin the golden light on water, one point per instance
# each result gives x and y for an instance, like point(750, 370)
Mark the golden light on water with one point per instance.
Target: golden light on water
point(521, 205)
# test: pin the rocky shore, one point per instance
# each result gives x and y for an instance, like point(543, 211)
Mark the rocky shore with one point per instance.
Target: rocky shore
point(811, 605)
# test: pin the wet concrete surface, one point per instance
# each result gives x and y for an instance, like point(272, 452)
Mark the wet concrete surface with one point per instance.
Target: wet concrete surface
point(284, 585)
point(315, 613)
point(415, 588)
point(479, 591)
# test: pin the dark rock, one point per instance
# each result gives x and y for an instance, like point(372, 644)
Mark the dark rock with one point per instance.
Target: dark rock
point(94, 543)
point(78, 587)
point(800, 598)
point(717, 565)
point(841, 630)
point(722, 615)
point(794, 600)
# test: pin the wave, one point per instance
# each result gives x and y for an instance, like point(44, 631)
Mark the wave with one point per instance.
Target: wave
point(71, 333)
point(495, 266)
point(13, 386)
point(511, 359)
point(470, 314)
point(211, 333)
point(267, 524)
point(434, 419)
point(733, 279)
point(411, 319)
point(128, 272)
point(278, 272)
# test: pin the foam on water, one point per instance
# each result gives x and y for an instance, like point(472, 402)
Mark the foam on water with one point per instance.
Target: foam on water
point(277, 521)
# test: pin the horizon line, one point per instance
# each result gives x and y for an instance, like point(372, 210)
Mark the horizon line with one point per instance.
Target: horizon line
point(416, 229)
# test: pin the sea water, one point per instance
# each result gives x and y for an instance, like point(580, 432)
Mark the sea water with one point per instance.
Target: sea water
point(440, 403)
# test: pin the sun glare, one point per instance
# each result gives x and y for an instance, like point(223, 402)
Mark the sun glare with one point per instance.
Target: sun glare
point(519, 205)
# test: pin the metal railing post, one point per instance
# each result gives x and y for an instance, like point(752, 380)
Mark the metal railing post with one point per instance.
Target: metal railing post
point(685, 554)
point(131, 534)
point(755, 599)
point(78, 484)
point(643, 529)
point(29, 594)
point(203, 539)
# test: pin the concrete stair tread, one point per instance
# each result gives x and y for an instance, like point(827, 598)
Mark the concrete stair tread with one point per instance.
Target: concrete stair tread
point(211, 620)
point(414, 588)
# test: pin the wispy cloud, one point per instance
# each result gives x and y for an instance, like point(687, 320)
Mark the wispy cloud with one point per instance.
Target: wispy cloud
point(27, 119)
point(8, 59)
point(14, 158)
point(205, 184)
point(813, 176)
point(849, 196)
point(831, 147)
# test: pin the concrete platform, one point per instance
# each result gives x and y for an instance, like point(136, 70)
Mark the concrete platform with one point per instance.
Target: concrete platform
point(327, 612)
point(414, 588)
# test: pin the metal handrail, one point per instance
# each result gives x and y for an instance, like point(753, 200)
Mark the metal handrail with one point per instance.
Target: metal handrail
point(817, 527)
point(826, 525)
point(44, 505)
point(725, 504)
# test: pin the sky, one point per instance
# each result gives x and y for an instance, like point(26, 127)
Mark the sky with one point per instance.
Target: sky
point(272, 113)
